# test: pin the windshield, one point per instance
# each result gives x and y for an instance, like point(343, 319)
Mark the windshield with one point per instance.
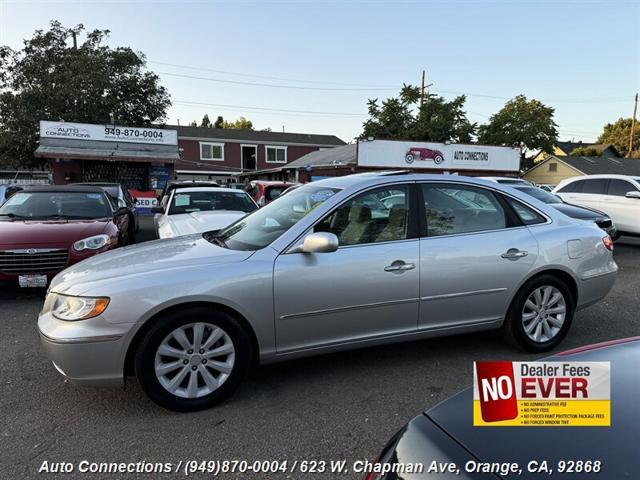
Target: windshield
point(540, 194)
point(56, 204)
point(262, 227)
point(188, 202)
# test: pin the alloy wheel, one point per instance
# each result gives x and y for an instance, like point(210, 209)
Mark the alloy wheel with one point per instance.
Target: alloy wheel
point(544, 313)
point(194, 360)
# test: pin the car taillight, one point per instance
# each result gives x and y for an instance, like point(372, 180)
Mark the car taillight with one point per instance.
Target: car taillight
point(608, 243)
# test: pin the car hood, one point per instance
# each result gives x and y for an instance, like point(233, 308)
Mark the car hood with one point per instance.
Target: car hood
point(196, 222)
point(615, 445)
point(45, 232)
point(581, 213)
point(158, 257)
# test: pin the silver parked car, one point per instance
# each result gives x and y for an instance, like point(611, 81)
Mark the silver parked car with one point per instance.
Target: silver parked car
point(329, 266)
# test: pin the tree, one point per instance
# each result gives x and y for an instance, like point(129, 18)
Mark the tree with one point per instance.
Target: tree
point(527, 124)
point(618, 134)
point(585, 152)
point(206, 122)
point(401, 118)
point(51, 78)
point(239, 124)
point(219, 122)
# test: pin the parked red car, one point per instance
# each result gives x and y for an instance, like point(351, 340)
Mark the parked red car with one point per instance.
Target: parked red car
point(43, 230)
point(419, 153)
point(264, 192)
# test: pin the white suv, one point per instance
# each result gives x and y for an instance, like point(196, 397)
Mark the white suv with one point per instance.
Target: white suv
point(616, 195)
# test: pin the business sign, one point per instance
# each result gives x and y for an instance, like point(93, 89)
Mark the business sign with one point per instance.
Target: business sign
point(440, 156)
point(145, 201)
point(542, 394)
point(107, 133)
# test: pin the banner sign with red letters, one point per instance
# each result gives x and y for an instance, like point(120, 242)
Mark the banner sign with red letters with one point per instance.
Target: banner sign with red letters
point(542, 394)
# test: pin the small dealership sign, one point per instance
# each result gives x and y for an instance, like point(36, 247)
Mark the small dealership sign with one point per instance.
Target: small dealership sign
point(107, 133)
point(442, 156)
point(542, 394)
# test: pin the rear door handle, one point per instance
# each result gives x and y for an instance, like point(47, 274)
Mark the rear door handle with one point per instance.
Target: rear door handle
point(399, 267)
point(514, 254)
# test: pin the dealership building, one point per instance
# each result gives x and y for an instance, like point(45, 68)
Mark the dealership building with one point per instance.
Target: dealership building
point(141, 159)
point(371, 155)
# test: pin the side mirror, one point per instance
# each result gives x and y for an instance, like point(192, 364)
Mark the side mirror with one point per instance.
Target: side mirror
point(319, 242)
point(633, 194)
point(157, 210)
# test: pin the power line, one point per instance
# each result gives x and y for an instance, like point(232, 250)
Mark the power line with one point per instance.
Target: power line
point(273, 85)
point(268, 77)
point(278, 110)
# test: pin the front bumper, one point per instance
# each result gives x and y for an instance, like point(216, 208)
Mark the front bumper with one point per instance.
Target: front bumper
point(90, 352)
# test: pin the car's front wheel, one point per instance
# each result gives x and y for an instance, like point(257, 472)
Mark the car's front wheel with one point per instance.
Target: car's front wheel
point(540, 314)
point(193, 359)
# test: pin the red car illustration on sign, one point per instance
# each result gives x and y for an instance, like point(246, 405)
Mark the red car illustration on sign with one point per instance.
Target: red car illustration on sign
point(419, 153)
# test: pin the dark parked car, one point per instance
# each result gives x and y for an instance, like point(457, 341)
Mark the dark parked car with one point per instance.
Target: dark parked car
point(124, 199)
point(574, 211)
point(43, 230)
point(446, 432)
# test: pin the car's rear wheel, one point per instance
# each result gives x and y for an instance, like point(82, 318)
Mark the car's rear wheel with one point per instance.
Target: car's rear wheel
point(438, 159)
point(193, 359)
point(541, 314)
point(409, 157)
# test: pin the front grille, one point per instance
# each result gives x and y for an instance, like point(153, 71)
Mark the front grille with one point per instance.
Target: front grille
point(33, 260)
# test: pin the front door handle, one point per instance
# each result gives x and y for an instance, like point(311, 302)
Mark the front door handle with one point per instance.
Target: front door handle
point(514, 254)
point(399, 266)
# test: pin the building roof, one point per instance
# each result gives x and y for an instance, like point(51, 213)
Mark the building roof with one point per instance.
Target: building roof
point(603, 165)
point(568, 147)
point(256, 136)
point(345, 155)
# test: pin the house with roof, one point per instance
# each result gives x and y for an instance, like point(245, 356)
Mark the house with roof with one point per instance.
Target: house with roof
point(555, 168)
point(564, 149)
point(218, 153)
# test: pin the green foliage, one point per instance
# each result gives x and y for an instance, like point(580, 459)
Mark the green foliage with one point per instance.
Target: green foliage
point(527, 124)
point(401, 118)
point(206, 122)
point(239, 124)
point(50, 80)
point(585, 152)
point(219, 122)
point(618, 134)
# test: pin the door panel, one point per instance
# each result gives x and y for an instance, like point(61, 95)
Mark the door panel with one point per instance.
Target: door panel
point(625, 212)
point(324, 298)
point(465, 279)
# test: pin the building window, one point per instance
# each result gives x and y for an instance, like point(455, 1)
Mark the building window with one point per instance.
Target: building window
point(212, 151)
point(553, 167)
point(276, 154)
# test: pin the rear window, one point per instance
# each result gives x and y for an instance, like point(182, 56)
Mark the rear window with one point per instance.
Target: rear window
point(271, 193)
point(573, 187)
point(527, 215)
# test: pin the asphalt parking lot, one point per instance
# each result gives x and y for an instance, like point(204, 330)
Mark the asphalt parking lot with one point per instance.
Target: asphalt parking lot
point(340, 406)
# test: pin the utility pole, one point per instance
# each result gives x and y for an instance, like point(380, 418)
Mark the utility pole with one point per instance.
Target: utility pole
point(422, 91)
point(633, 126)
point(75, 40)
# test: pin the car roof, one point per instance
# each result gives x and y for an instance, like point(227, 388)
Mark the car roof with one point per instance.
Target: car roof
point(601, 175)
point(63, 188)
point(211, 189)
point(97, 184)
point(616, 443)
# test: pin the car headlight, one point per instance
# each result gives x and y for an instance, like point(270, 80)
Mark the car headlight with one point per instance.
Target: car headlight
point(65, 307)
point(92, 243)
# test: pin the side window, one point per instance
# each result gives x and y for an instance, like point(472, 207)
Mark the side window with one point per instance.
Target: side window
point(526, 214)
point(573, 187)
point(620, 188)
point(380, 215)
point(453, 209)
point(596, 186)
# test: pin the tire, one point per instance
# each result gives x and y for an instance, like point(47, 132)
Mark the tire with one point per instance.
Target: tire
point(521, 317)
point(438, 159)
point(409, 158)
point(236, 359)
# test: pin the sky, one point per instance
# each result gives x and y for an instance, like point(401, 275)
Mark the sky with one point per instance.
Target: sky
point(310, 66)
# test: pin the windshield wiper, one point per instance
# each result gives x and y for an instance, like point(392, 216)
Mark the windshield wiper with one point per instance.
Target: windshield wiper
point(12, 215)
point(214, 238)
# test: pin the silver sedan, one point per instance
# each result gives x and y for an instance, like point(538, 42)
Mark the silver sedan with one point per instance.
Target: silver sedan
point(327, 267)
